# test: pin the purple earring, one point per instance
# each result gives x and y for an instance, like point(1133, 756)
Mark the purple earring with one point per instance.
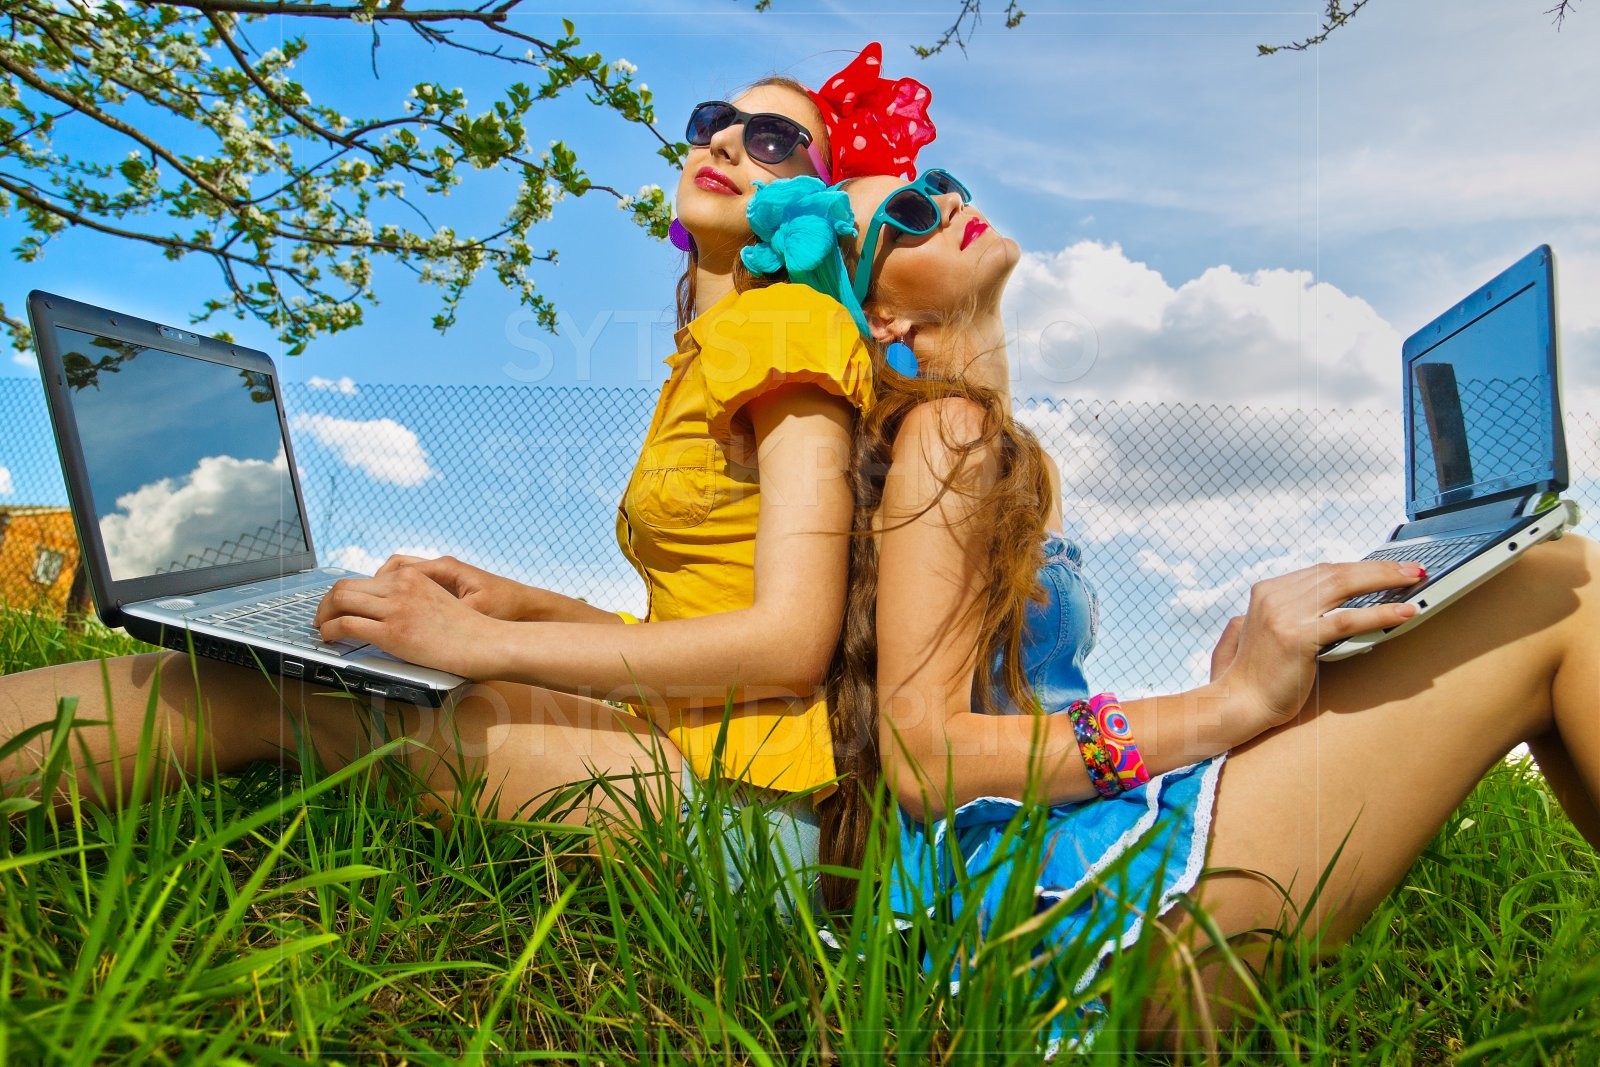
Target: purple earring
point(680, 237)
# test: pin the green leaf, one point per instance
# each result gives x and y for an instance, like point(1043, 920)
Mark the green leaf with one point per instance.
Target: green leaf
point(267, 961)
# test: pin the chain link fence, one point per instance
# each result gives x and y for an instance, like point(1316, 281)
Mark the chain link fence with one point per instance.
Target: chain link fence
point(1180, 507)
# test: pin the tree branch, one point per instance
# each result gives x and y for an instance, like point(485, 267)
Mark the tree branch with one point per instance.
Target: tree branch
point(83, 107)
point(22, 134)
point(19, 330)
point(1333, 18)
point(321, 230)
point(349, 12)
point(965, 25)
point(32, 194)
point(35, 196)
point(1561, 11)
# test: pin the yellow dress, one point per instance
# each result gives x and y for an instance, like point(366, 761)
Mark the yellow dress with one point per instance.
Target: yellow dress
point(687, 521)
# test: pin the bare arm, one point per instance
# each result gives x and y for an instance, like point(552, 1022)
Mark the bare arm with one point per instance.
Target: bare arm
point(1058, 521)
point(933, 573)
point(780, 645)
point(498, 597)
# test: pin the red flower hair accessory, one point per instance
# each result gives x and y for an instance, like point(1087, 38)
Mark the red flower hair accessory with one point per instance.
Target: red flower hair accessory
point(875, 126)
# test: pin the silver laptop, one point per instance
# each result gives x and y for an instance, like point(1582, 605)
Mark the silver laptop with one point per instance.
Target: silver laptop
point(1486, 458)
point(187, 500)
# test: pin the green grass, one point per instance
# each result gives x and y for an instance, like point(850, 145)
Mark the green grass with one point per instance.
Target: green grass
point(276, 918)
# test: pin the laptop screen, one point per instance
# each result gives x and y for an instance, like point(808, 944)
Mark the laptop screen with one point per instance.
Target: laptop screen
point(1481, 403)
point(185, 457)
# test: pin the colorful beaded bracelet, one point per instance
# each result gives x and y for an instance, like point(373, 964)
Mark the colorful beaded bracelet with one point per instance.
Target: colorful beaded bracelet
point(1117, 737)
point(1097, 761)
point(1106, 744)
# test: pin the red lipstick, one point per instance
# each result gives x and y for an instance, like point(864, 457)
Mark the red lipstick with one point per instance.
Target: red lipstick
point(974, 230)
point(713, 180)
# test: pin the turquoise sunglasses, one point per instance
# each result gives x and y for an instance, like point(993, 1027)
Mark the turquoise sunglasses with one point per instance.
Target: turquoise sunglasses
point(909, 209)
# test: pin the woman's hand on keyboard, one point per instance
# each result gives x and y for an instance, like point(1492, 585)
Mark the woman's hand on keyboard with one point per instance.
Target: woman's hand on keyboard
point(1267, 658)
point(483, 592)
point(408, 614)
point(501, 598)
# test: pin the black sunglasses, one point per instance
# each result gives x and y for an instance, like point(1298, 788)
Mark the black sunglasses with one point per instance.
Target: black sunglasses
point(769, 138)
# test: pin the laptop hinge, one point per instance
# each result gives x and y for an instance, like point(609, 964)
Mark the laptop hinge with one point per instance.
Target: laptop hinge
point(1492, 513)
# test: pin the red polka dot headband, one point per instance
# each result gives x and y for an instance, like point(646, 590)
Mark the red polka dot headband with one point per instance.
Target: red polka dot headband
point(875, 126)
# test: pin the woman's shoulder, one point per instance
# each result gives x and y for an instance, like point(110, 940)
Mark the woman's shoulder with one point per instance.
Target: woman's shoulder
point(1056, 513)
point(949, 422)
point(788, 298)
point(779, 335)
point(785, 320)
point(940, 435)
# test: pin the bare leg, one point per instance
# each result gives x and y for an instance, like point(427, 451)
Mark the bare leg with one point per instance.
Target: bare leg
point(1561, 774)
point(1390, 745)
point(240, 719)
point(523, 742)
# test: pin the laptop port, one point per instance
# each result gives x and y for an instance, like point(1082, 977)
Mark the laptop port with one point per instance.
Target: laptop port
point(294, 668)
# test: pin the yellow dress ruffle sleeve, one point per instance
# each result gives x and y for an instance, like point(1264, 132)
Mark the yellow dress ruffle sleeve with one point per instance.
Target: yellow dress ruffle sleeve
point(783, 334)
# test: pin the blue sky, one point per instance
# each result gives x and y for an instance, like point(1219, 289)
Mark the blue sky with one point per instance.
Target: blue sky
point(1199, 225)
point(1425, 146)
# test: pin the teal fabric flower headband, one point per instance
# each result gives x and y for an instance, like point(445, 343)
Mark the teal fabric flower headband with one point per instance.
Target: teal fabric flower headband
point(798, 222)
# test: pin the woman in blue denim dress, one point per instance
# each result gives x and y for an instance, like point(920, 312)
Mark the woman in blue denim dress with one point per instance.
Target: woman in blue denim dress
point(1256, 779)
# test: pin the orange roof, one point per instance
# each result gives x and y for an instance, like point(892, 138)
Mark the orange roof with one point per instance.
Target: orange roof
point(30, 509)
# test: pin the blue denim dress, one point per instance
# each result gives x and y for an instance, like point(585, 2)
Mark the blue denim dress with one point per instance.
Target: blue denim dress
point(1153, 837)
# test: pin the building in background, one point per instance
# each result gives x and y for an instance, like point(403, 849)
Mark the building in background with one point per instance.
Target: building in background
point(39, 560)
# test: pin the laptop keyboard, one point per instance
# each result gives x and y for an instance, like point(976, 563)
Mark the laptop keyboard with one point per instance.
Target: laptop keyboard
point(287, 619)
point(1436, 557)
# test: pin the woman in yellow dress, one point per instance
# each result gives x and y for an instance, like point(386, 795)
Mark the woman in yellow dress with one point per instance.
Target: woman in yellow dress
point(736, 516)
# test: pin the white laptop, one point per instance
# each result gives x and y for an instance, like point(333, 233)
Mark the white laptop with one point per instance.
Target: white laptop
point(1486, 458)
point(187, 500)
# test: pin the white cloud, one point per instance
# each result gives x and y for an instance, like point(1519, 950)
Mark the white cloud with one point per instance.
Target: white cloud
point(25, 358)
point(344, 385)
point(220, 502)
point(1092, 322)
point(1583, 444)
point(6, 488)
point(1182, 508)
point(384, 449)
point(1204, 607)
point(1214, 475)
point(353, 558)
